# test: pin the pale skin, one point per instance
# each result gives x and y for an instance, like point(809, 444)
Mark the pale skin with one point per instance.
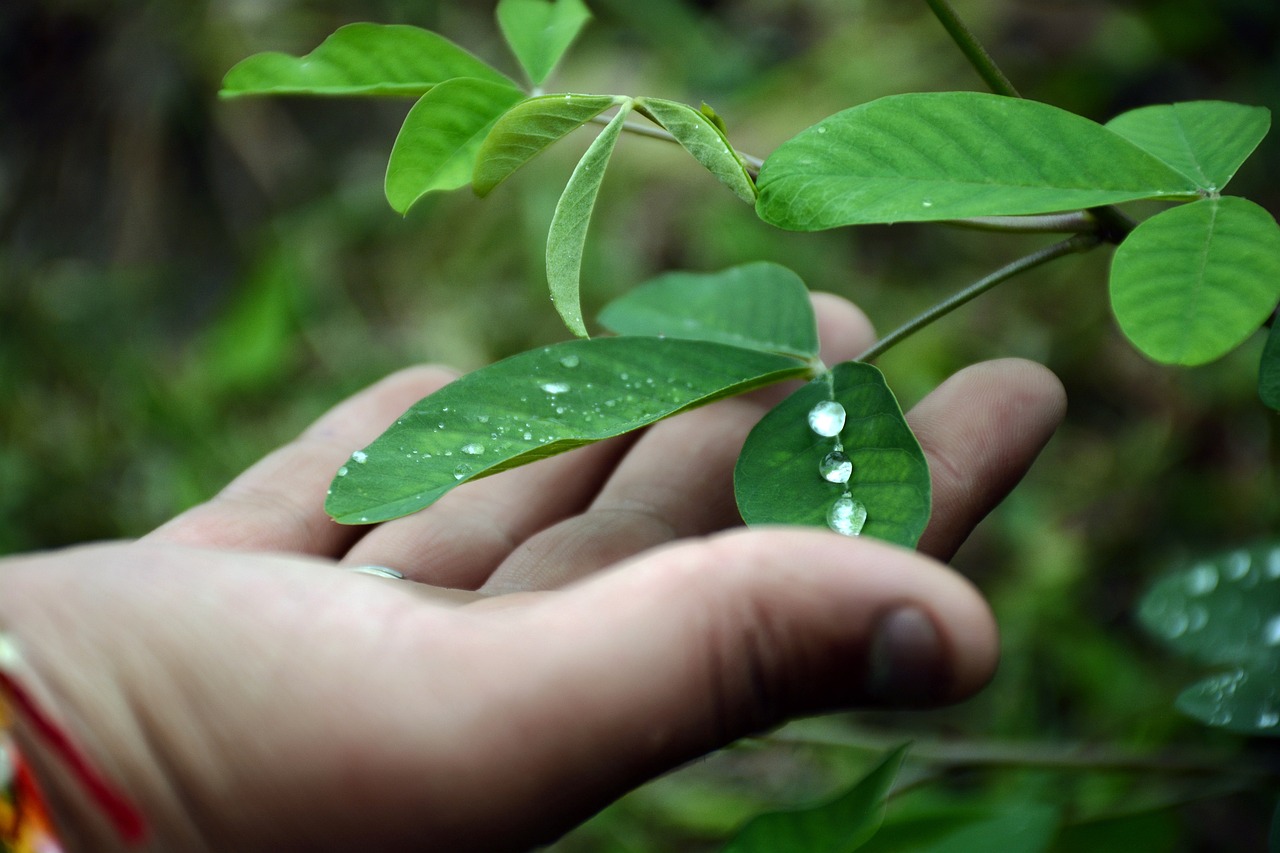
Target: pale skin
point(568, 630)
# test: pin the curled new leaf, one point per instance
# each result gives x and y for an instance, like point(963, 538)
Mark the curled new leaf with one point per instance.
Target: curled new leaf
point(702, 136)
point(361, 59)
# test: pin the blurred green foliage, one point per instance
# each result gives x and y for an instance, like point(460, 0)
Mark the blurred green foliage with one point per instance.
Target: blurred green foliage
point(185, 283)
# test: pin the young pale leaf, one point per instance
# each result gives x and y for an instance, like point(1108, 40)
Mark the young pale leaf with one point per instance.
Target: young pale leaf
point(537, 404)
point(1269, 370)
point(702, 137)
point(1191, 283)
point(1246, 700)
point(441, 136)
point(528, 129)
point(760, 306)
point(568, 235)
point(540, 31)
point(782, 473)
point(1204, 140)
point(841, 825)
point(361, 59)
point(951, 155)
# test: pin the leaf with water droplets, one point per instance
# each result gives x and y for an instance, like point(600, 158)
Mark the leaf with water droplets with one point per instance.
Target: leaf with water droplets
point(568, 235)
point(702, 137)
point(361, 59)
point(1246, 700)
point(538, 404)
point(528, 129)
point(759, 305)
point(779, 478)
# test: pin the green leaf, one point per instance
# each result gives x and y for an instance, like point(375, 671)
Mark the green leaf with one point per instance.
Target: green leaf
point(361, 59)
point(1191, 283)
point(843, 824)
point(1269, 370)
point(440, 139)
point(702, 136)
point(1245, 700)
point(951, 155)
point(1028, 828)
point(568, 235)
point(760, 306)
point(538, 404)
point(539, 32)
point(777, 479)
point(528, 129)
point(1204, 140)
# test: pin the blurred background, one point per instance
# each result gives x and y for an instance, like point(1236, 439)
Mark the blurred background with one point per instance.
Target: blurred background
point(186, 282)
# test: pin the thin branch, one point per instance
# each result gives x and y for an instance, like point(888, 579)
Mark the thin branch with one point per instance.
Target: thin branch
point(1046, 756)
point(1080, 222)
point(972, 49)
point(1078, 243)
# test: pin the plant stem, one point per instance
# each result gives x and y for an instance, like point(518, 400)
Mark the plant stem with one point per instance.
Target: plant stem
point(1077, 243)
point(972, 49)
point(1080, 222)
point(753, 163)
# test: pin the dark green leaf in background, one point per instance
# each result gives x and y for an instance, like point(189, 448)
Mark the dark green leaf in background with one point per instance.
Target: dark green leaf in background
point(1269, 370)
point(838, 826)
point(361, 59)
point(568, 235)
point(440, 139)
point(540, 31)
point(1029, 828)
point(702, 136)
point(1204, 140)
point(777, 478)
point(1246, 700)
point(1191, 283)
point(951, 155)
point(528, 129)
point(538, 404)
point(760, 306)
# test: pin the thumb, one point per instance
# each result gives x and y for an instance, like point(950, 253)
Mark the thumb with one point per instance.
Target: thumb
point(696, 645)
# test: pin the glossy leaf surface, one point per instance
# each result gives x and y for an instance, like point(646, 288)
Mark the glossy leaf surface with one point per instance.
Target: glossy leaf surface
point(702, 137)
point(568, 235)
point(834, 827)
point(528, 129)
point(1245, 700)
point(534, 405)
point(440, 139)
point(1269, 370)
point(760, 306)
point(1204, 140)
point(1191, 283)
point(950, 155)
point(361, 59)
point(777, 477)
point(539, 32)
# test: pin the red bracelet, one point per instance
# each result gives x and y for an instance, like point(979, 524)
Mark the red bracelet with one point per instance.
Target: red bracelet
point(25, 826)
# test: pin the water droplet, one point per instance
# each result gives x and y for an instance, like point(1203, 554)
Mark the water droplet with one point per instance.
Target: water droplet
point(484, 419)
point(847, 516)
point(559, 410)
point(473, 449)
point(528, 436)
point(570, 361)
point(344, 471)
point(1202, 579)
point(835, 467)
point(461, 471)
point(926, 203)
point(555, 387)
point(1273, 564)
point(822, 130)
point(360, 456)
point(440, 425)
point(1238, 565)
point(1176, 626)
point(1197, 618)
point(1271, 631)
point(827, 418)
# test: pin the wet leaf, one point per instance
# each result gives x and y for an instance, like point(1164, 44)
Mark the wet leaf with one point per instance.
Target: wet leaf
point(701, 134)
point(950, 155)
point(539, 32)
point(1245, 701)
point(1204, 140)
point(528, 129)
point(361, 59)
point(760, 306)
point(1193, 282)
point(568, 235)
point(782, 474)
point(843, 824)
point(538, 404)
point(440, 139)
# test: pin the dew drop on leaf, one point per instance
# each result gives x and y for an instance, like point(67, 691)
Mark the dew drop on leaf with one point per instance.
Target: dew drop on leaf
point(555, 387)
point(827, 418)
point(570, 361)
point(360, 456)
point(461, 471)
point(1271, 631)
point(473, 449)
point(835, 467)
point(343, 471)
point(847, 516)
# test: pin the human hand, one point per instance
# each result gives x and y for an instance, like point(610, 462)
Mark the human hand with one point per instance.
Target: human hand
point(250, 696)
